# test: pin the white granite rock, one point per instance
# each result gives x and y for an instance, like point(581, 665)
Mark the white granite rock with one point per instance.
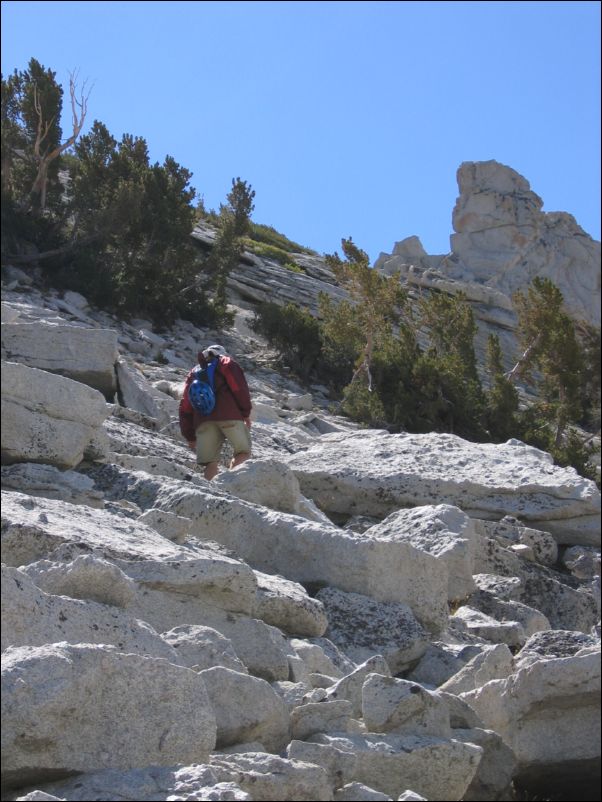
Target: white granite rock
point(45, 480)
point(356, 792)
point(272, 779)
point(390, 763)
point(493, 780)
point(350, 686)
point(444, 532)
point(509, 532)
point(530, 619)
point(318, 661)
point(504, 239)
point(494, 662)
point(396, 705)
point(197, 781)
point(325, 716)
point(263, 649)
point(267, 482)
point(376, 473)
point(305, 551)
point(199, 647)
point(173, 527)
point(548, 712)
point(229, 584)
point(582, 562)
point(484, 626)
point(564, 602)
point(554, 644)
point(34, 527)
point(286, 605)
point(49, 418)
point(441, 660)
point(87, 577)
point(246, 709)
point(80, 708)
point(137, 392)
point(31, 617)
point(87, 355)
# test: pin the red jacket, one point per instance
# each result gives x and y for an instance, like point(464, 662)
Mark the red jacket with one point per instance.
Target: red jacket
point(232, 397)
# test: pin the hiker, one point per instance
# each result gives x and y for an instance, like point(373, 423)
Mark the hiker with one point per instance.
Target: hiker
point(229, 419)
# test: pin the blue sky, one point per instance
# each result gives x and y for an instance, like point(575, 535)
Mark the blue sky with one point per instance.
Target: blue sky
point(347, 118)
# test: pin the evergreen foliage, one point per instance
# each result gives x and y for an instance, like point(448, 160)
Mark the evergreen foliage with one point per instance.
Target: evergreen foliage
point(133, 221)
point(294, 332)
point(99, 217)
point(269, 236)
point(376, 301)
point(23, 94)
point(234, 221)
point(553, 358)
point(446, 375)
point(562, 365)
point(366, 349)
point(502, 397)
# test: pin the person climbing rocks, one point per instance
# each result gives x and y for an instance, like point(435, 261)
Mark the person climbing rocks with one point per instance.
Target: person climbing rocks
point(208, 417)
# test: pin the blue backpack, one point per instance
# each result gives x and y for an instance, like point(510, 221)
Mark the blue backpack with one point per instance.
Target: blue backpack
point(202, 388)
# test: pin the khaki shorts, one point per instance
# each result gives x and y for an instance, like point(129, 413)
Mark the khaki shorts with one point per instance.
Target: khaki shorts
point(210, 438)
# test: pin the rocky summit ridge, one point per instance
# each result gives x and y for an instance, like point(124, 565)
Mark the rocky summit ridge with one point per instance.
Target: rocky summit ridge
point(501, 241)
point(348, 615)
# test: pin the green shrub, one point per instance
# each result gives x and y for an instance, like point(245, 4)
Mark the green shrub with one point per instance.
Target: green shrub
point(269, 236)
point(293, 332)
point(273, 252)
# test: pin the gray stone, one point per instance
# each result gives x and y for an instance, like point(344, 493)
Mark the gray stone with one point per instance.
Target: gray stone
point(200, 647)
point(87, 577)
point(396, 705)
point(70, 708)
point(391, 762)
point(31, 617)
point(362, 627)
point(246, 709)
point(49, 418)
point(350, 686)
point(376, 473)
point(83, 354)
point(313, 717)
point(286, 605)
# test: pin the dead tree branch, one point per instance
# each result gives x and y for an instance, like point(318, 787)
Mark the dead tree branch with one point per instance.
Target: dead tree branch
point(79, 108)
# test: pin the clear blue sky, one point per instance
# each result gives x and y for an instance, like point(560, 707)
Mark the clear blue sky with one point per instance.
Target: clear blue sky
point(347, 118)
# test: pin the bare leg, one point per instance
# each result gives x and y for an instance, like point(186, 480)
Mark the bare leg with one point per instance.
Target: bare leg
point(238, 459)
point(211, 470)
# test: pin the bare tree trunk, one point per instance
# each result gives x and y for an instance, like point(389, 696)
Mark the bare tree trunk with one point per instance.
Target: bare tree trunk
point(367, 361)
point(78, 109)
point(523, 359)
point(38, 257)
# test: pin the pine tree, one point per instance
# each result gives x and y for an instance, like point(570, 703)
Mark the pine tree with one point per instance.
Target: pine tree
point(375, 300)
point(234, 221)
point(134, 220)
point(553, 359)
point(446, 379)
point(502, 396)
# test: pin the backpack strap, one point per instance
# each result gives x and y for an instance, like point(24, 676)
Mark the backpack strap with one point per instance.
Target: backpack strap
point(211, 368)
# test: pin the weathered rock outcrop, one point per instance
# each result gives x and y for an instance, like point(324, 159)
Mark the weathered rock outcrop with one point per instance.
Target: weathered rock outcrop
point(557, 694)
point(83, 354)
point(49, 418)
point(376, 473)
point(502, 241)
point(70, 708)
